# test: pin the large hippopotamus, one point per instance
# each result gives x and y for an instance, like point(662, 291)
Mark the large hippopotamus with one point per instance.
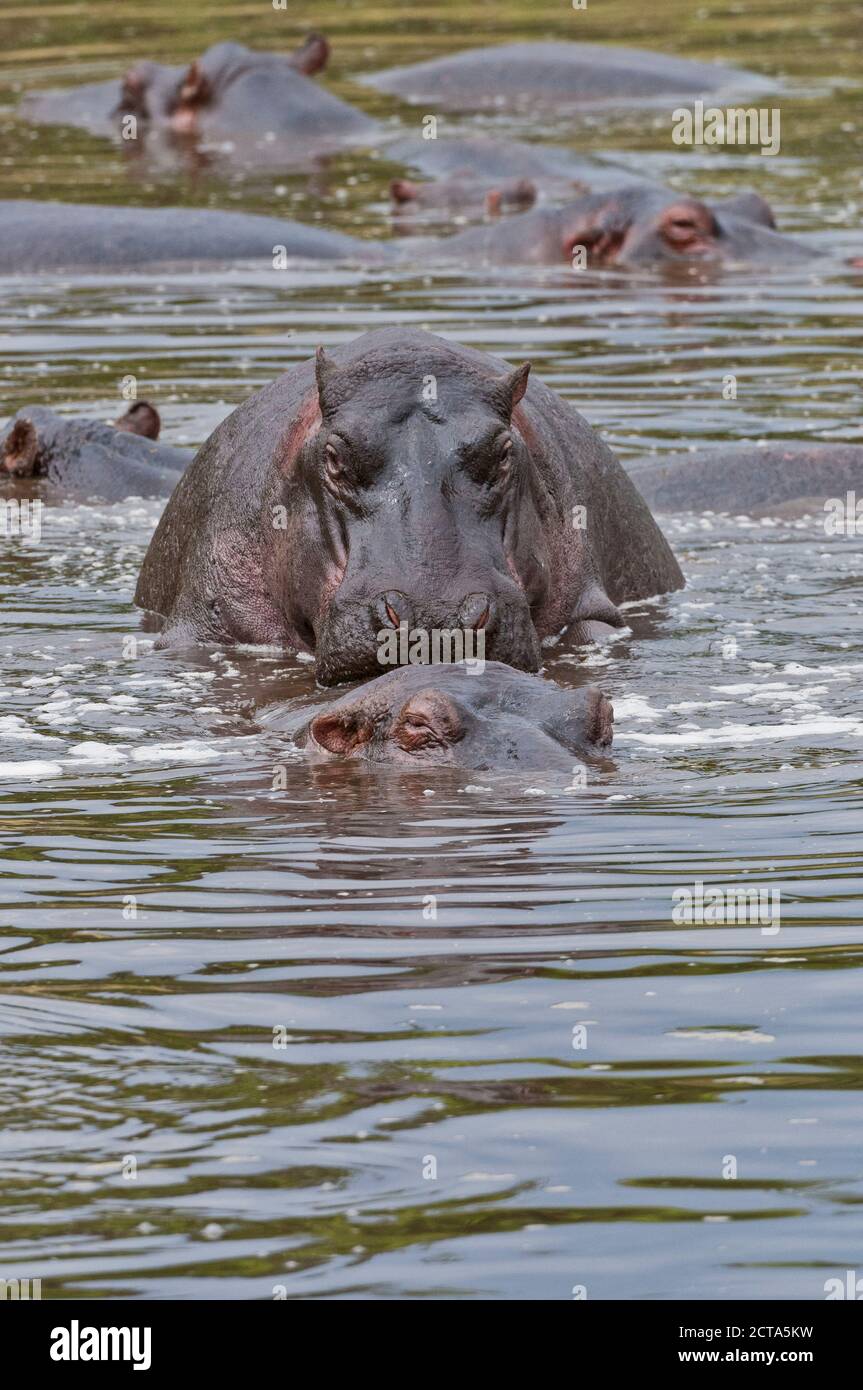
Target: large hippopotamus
point(87, 458)
point(404, 480)
point(262, 103)
point(552, 76)
point(38, 237)
point(638, 224)
point(494, 720)
point(752, 479)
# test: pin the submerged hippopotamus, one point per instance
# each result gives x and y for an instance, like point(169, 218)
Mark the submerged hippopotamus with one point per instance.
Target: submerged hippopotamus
point(255, 101)
point(490, 160)
point(40, 237)
point(639, 224)
point(87, 458)
point(752, 480)
point(494, 720)
point(402, 480)
point(462, 195)
point(551, 76)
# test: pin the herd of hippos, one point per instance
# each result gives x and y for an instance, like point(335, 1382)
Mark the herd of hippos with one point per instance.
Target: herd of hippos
point(346, 499)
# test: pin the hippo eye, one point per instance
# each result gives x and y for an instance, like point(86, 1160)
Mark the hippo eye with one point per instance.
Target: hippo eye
point(504, 457)
point(335, 468)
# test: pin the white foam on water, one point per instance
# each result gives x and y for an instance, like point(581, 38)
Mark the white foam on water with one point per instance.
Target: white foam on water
point(736, 734)
point(29, 771)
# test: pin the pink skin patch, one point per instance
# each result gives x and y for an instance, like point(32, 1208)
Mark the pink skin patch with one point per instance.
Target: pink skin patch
point(301, 433)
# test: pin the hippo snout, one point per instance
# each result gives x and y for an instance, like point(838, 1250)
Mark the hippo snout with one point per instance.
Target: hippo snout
point(358, 639)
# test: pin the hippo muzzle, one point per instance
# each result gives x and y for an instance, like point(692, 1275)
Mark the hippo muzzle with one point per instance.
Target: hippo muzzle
point(364, 634)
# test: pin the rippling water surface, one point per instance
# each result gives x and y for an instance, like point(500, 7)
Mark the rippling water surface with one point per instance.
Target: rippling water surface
point(438, 1035)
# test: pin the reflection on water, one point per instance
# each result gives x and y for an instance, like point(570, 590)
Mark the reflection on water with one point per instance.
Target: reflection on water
point(440, 1034)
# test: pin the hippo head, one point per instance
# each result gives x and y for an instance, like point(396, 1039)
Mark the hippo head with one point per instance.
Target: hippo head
point(423, 490)
point(499, 720)
point(641, 226)
point(179, 97)
point(464, 192)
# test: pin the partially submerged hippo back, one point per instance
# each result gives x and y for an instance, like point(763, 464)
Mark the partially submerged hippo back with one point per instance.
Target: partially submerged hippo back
point(403, 480)
point(41, 237)
point(490, 720)
point(637, 224)
point(86, 458)
point(751, 480)
point(555, 75)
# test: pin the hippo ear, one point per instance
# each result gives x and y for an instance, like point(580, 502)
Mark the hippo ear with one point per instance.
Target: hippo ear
point(141, 418)
point(341, 731)
point(514, 386)
point(312, 55)
point(20, 448)
point(599, 718)
point(195, 89)
point(325, 370)
point(403, 191)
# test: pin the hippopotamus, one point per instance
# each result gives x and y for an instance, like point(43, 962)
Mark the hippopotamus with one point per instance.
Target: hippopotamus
point(401, 480)
point(494, 720)
point(781, 477)
point(262, 102)
point(40, 237)
point(491, 160)
point(638, 224)
point(87, 458)
point(463, 196)
point(552, 76)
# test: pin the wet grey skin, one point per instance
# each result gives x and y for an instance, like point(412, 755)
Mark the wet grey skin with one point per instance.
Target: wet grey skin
point(492, 720)
point(756, 481)
point(530, 76)
point(81, 459)
point(549, 166)
point(40, 237)
point(348, 498)
point(230, 93)
point(634, 225)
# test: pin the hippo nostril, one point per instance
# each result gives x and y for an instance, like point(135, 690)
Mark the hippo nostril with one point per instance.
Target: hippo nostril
point(393, 608)
point(475, 612)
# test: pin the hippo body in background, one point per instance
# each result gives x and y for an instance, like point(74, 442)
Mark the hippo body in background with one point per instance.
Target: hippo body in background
point(495, 719)
point(39, 237)
point(402, 481)
point(750, 479)
point(639, 224)
point(86, 458)
point(552, 76)
point(494, 160)
point(231, 93)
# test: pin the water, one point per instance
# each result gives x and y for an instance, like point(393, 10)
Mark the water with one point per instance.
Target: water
point(326, 1040)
